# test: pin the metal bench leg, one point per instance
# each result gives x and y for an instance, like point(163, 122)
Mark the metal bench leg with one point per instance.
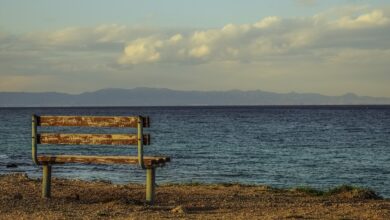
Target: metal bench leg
point(150, 184)
point(46, 181)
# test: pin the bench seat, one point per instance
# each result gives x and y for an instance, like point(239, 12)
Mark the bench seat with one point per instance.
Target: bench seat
point(148, 160)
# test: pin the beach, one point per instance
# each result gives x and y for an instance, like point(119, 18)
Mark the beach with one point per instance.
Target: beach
point(77, 199)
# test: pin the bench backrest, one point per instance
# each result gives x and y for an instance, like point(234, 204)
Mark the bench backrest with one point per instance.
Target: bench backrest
point(137, 122)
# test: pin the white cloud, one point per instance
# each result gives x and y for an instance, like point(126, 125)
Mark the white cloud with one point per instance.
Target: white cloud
point(205, 37)
point(69, 35)
point(371, 19)
point(85, 38)
point(301, 38)
point(141, 51)
point(176, 38)
point(234, 30)
point(267, 22)
point(200, 51)
point(111, 33)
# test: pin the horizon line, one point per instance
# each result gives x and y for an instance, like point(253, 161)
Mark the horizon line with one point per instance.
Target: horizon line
point(181, 90)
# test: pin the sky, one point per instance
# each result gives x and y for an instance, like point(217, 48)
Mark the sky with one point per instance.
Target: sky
point(330, 47)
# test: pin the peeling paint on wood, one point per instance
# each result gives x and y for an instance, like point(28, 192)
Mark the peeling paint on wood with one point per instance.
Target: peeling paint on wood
point(91, 139)
point(34, 141)
point(148, 161)
point(92, 121)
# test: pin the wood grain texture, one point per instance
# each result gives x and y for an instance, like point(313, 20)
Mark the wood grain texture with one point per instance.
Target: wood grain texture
point(92, 121)
point(148, 161)
point(91, 139)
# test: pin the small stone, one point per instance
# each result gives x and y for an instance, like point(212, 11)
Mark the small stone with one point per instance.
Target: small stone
point(179, 210)
point(11, 165)
point(19, 176)
point(18, 196)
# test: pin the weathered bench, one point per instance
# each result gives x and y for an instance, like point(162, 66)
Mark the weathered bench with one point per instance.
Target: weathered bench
point(150, 163)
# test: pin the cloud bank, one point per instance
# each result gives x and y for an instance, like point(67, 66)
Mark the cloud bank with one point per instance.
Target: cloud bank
point(345, 46)
point(269, 37)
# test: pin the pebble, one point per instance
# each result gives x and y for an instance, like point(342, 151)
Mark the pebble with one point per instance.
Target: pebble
point(179, 210)
point(11, 165)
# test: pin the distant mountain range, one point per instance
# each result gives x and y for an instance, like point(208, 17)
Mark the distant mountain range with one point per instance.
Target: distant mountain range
point(168, 97)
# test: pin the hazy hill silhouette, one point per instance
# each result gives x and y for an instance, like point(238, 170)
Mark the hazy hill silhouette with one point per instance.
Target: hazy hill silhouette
point(167, 97)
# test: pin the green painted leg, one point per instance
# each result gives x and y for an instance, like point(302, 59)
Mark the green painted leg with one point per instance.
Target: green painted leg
point(46, 181)
point(150, 184)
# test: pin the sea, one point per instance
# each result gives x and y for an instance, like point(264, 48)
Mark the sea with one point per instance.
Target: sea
point(280, 146)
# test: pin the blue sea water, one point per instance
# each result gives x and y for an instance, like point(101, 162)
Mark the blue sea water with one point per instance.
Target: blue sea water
point(281, 146)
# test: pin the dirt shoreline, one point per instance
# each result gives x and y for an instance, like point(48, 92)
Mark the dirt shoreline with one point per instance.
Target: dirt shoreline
point(76, 199)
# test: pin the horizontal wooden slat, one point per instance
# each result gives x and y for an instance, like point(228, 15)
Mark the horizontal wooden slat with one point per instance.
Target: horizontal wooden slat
point(148, 161)
point(91, 139)
point(92, 121)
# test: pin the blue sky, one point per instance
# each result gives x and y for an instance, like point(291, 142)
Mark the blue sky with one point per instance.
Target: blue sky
point(329, 47)
point(22, 16)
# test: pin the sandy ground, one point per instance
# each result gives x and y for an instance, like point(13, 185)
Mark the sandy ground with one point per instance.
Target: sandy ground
point(75, 199)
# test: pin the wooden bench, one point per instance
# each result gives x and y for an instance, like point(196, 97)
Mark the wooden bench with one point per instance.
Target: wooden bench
point(150, 163)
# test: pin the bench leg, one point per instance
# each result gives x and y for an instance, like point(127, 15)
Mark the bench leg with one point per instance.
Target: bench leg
point(150, 184)
point(46, 181)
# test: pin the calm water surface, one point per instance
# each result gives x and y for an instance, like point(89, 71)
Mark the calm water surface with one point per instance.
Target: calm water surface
point(280, 146)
